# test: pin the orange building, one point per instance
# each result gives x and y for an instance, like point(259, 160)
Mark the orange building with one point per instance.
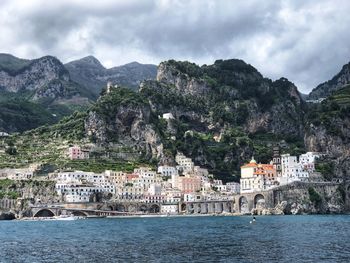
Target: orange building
point(257, 177)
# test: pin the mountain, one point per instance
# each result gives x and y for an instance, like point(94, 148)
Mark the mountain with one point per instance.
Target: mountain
point(90, 73)
point(329, 87)
point(327, 126)
point(223, 114)
point(328, 131)
point(219, 115)
point(43, 78)
point(37, 92)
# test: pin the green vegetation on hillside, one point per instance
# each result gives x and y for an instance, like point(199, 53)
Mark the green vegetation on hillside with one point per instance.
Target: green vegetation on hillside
point(314, 196)
point(8, 189)
point(334, 108)
point(12, 65)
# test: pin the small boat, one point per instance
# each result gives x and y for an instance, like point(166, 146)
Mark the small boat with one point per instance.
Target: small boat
point(68, 217)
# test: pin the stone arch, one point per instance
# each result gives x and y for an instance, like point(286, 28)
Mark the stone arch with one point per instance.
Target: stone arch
point(259, 201)
point(120, 208)
point(243, 205)
point(79, 213)
point(143, 208)
point(44, 213)
point(183, 207)
point(154, 209)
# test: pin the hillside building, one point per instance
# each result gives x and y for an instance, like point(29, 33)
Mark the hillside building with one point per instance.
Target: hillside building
point(76, 153)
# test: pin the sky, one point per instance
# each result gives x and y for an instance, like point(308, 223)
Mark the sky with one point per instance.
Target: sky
point(304, 41)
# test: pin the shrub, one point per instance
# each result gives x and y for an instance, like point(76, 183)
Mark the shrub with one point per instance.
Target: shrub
point(314, 196)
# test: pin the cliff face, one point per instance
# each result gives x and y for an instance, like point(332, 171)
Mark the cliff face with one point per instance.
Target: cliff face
point(230, 101)
point(329, 87)
point(223, 114)
point(45, 76)
point(328, 131)
point(17, 196)
point(121, 117)
point(300, 198)
point(230, 88)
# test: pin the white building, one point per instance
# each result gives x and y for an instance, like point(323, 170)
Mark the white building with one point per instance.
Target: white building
point(166, 170)
point(193, 197)
point(233, 187)
point(292, 170)
point(17, 174)
point(307, 160)
point(145, 172)
point(79, 186)
point(77, 193)
point(4, 134)
point(168, 116)
point(185, 164)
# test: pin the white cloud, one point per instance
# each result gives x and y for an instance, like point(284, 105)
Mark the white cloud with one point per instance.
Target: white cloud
point(306, 41)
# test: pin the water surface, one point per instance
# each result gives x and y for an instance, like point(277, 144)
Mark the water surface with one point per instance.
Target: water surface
point(179, 239)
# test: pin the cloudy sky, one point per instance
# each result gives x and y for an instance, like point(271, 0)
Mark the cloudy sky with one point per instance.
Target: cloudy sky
point(305, 41)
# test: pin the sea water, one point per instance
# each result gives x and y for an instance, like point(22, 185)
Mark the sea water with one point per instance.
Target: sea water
point(179, 239)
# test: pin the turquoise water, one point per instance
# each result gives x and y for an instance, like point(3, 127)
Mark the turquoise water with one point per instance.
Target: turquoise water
point(186, 239)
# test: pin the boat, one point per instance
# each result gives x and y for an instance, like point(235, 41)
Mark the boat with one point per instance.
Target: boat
point(66, 218)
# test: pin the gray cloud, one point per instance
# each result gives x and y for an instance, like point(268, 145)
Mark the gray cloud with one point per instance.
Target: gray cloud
point(305, 41)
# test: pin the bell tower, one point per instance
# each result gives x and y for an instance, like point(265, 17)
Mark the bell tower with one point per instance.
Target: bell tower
point(276, 160)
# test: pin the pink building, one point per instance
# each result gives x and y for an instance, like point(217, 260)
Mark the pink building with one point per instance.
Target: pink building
point(76, 153)
point(189, 184)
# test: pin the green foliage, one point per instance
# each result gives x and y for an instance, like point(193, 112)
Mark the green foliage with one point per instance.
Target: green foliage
point(5, 183)
point(108, 104)
point(13, 65)
point(191, 69)
point(24, 115)
point(11, 150)
point(99, 165)
point(7, 188)
point(331, 111)
point(314, 196)
point(13, 195)
point(326, 168)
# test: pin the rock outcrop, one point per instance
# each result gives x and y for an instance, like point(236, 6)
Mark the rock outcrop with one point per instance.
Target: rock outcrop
point(117, 119)
point(20, 195)
point(7, 216)
point(327, 88)
point(45, 77)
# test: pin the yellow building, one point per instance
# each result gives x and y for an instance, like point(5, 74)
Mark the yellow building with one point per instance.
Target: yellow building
point(257, 177)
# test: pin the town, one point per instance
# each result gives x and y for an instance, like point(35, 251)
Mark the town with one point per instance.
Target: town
point(167, 189)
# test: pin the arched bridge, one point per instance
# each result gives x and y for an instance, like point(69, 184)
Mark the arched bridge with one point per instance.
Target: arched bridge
point(91, 209)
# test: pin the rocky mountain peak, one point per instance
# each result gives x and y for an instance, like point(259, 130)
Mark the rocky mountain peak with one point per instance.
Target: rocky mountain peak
point(32, 74)
point(90, 73)
point(89, 62)
point(329, 87)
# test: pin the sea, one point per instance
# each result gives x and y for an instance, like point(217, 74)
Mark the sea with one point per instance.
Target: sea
point(312, 238)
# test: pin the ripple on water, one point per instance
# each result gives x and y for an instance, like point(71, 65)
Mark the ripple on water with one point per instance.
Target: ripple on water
point(202, 239)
